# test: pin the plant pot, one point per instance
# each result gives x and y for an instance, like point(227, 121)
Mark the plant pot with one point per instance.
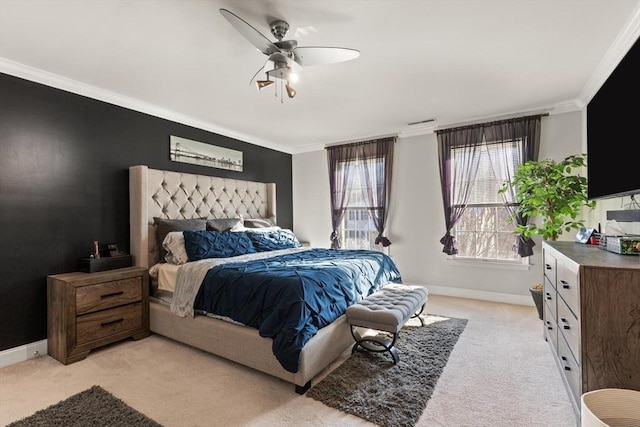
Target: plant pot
point(537, 299)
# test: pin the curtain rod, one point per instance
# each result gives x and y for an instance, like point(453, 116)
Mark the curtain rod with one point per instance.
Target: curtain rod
point(357, 141)
point(489, 121)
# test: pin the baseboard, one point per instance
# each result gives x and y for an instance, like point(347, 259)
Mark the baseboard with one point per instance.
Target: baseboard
point(15, 355)
point(480, 295)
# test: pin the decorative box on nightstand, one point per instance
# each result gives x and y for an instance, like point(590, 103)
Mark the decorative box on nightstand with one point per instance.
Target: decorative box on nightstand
point(86, 311)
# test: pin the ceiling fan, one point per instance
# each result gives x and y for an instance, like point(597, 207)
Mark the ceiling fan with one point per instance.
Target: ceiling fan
point(286, 56)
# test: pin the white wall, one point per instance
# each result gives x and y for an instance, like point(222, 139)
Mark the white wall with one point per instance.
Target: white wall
point(416, 218)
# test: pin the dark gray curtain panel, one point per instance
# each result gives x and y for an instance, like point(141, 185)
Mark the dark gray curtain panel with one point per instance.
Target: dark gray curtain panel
point(523, 136)
point(456, 180)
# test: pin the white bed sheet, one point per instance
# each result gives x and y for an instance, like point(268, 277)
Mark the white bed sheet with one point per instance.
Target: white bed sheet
point(165, 275)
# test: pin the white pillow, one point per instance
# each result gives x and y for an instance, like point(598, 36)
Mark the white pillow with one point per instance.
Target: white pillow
point(173, 243)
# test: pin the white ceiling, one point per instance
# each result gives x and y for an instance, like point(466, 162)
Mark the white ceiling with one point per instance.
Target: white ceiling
point(456, 61)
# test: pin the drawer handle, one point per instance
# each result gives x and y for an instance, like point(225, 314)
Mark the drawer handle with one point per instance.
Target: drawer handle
point(566, 368)
point(565, 284)
point(114, 294)
point(564, 320)
point(549, 326)
point(547, 266)
point(548, 296)
point(111, 322)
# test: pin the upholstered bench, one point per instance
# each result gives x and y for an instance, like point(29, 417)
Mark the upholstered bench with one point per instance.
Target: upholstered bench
point(386, 310)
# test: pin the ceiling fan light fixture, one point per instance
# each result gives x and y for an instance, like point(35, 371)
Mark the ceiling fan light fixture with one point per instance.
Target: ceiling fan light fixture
point(263, 83)
point(291, 92)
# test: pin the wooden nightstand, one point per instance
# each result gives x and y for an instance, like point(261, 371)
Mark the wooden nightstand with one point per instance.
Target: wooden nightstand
point(89, 310)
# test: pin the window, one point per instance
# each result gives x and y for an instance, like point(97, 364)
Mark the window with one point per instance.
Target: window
point(360, 183)
point(484, 231)
point(358, 230)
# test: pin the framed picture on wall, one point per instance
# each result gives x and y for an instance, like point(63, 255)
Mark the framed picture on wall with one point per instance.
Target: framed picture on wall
point(198, 153)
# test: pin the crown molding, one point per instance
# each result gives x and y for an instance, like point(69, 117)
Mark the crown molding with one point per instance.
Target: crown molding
point(566, 107)
point(46, 78)
point(627, 36)
point(308, 148)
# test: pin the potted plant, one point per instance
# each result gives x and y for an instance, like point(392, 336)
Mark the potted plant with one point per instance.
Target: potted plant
point(553, 193)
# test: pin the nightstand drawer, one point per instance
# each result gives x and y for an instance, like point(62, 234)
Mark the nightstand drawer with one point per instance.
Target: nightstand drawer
point(108, 294)
point(92, 327)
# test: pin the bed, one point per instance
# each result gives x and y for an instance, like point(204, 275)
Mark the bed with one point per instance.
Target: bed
point(173, 195)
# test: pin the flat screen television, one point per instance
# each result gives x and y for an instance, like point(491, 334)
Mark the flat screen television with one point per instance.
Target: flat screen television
point(613, 132)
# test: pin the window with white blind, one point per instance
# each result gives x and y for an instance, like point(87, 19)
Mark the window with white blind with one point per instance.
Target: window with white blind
point(485, 232)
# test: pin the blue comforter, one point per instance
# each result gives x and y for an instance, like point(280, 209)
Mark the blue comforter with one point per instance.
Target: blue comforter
point(289, 297)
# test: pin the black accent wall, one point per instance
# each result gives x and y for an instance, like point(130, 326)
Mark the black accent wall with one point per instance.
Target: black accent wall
point(64, 182)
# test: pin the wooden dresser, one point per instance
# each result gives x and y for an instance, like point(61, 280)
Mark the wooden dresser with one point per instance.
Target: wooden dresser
point(89, 310)
point(592, 316)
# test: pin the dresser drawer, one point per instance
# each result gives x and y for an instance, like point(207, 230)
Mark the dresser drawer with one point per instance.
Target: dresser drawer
point(108, 294)
point(569, 327)
point(93, 326)
point(568, 285)
point(550, 268)
point(550, 327)
point(550, 298)
point(569, 368)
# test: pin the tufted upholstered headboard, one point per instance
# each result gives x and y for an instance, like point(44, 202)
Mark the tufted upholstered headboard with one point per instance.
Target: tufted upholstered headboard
point(176, 195)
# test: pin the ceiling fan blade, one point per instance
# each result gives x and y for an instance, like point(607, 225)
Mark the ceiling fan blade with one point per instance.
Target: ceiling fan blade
point(308, 56)
point(262, 43)
point(259, 69)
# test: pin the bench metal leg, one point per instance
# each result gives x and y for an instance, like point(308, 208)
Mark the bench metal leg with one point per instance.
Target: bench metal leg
point(376, 344)
point(419, 313)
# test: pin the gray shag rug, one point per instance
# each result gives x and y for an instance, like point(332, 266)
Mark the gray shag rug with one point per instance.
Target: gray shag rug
point(370, 386)
point(92, 407)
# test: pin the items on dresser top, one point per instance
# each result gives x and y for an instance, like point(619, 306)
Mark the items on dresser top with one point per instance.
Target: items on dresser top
point(86, 311)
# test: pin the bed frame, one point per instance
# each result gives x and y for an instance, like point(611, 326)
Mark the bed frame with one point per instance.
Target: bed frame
point(174, 195)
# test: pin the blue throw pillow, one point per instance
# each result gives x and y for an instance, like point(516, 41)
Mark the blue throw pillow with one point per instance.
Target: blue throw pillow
point(213, 244)
point(273, 240)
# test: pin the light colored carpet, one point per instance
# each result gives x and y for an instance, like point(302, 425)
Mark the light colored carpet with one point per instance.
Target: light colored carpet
point(500, 373)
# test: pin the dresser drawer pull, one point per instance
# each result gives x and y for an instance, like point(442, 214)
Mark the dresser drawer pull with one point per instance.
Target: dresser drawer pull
point(565, 284)
point(111, 322)
point(567, 368)
point(548, 296)
point(547, 266)
point(114, 294)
